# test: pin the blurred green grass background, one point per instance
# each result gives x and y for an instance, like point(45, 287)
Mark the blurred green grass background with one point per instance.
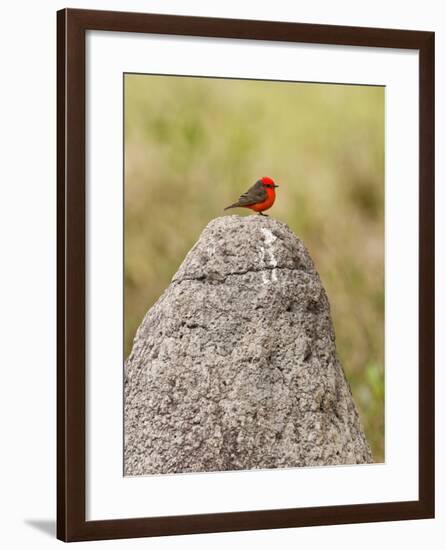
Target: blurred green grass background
point(193, 145)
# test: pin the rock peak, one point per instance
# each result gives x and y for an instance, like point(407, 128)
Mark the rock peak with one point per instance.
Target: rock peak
point(237, 245)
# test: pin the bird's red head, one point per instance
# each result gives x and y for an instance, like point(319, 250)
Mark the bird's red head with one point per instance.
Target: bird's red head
point(268, 183)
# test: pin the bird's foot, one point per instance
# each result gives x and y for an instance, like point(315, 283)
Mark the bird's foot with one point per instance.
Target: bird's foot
point(262, 214)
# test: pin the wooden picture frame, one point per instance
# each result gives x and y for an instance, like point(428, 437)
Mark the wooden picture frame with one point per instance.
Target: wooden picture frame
point(72, 25)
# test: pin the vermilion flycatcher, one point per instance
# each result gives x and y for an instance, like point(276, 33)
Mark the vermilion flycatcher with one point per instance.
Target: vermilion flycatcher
point(259, 197)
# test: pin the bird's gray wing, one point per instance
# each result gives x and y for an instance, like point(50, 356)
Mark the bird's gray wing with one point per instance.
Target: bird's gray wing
point(255, 194)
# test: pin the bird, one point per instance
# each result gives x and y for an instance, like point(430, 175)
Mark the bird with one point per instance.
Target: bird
point(259, 197)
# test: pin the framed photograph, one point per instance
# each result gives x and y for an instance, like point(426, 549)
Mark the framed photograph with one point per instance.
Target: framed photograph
point(245, 275)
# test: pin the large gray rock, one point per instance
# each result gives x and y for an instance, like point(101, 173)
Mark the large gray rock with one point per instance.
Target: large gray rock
point(235, 365)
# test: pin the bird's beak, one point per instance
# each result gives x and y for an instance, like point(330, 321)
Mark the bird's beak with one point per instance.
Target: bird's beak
point(276, 185)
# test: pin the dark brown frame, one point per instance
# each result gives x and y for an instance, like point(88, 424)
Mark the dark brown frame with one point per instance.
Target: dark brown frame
point(71, 27)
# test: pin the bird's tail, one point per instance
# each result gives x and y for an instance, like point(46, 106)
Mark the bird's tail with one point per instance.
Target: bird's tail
point(231, 206)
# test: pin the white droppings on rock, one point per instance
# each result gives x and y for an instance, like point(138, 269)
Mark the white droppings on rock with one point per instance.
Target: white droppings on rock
point(265, 279)
point(269, 240)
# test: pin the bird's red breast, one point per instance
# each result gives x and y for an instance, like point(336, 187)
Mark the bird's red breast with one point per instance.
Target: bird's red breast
point(267, 203)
